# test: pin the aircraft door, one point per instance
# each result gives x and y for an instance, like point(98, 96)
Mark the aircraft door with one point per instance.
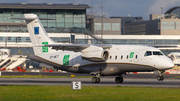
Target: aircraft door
point(136, 57)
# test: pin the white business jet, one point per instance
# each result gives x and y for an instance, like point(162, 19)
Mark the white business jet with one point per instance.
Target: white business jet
point(96, 59)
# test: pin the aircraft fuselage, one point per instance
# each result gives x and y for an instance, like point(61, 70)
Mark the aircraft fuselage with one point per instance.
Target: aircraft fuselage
point(122, 58)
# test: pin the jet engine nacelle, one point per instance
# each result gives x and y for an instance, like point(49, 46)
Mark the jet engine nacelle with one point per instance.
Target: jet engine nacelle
point(95, 54)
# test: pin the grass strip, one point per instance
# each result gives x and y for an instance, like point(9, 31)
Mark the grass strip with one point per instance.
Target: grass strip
point(87, 93)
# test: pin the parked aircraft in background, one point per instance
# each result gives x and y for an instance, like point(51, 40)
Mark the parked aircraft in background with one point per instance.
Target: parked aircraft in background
point(175, 56)
point(96, 59)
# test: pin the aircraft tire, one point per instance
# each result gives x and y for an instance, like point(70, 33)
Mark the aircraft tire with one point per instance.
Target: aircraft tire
point(160, 78)
point(119, 79)
point(98, 80)
point(95, 80)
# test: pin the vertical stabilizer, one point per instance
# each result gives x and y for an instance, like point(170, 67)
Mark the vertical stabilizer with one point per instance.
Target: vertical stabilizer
point(37, 34)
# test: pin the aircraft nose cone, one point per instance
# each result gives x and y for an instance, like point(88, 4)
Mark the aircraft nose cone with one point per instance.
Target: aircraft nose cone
point(168, 64)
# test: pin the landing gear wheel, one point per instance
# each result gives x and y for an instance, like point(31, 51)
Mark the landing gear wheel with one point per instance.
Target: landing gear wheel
point(119, 79)
point(160, 78)
point(95, 80)
point(98, 80)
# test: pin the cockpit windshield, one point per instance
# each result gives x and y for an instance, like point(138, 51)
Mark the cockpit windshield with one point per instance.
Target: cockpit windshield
point(148, 53)
point(157, 53)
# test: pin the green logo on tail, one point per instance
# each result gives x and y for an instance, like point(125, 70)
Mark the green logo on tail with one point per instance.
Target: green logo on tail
point(44, 48)
point(66, 60)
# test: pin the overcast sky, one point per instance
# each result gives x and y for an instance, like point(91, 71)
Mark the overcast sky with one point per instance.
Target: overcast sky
point(116, 7)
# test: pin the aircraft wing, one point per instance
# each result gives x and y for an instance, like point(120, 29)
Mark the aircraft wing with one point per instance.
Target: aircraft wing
point(79, 47)
point(160, 46)
point(73, 47)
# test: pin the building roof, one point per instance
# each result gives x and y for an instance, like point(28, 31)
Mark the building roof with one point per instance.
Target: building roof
point(43, 6)
point(171, 9)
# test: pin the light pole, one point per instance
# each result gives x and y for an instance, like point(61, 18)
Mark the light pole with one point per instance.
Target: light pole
point(101, 21)
point(162, 10)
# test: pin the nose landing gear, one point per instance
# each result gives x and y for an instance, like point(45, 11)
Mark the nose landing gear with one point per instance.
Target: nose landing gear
point(160, 77)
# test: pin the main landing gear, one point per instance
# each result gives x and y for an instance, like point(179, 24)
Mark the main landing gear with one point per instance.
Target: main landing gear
point(160, 77)
point(96, 79)
point(119, 79)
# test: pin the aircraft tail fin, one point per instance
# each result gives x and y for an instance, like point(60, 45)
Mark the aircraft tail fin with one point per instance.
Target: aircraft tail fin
point(37, 34)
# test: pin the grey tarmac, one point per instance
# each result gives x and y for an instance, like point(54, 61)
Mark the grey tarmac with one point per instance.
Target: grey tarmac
point(105, 81)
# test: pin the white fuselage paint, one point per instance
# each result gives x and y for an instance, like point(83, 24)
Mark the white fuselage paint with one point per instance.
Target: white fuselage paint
point(119, 54)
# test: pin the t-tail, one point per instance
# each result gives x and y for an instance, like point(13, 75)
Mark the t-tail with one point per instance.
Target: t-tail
point(38, 34)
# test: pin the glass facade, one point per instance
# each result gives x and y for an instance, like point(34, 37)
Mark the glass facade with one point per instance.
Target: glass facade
point(134, 41)
point(28, 40)
point(165, 25)
point(115, 27)
point(170, 25)
point(106, 26)
point(98, 26)
point(94, 41)
point(21, 50)
point(174, 25)
point(66, 20)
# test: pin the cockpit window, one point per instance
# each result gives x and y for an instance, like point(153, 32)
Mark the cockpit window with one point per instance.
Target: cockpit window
point(148, 53)
point(157, 53)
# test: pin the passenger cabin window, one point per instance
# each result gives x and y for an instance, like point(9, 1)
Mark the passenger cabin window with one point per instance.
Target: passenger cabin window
point(148, 53)
point(157, 53)
point(110, 57)
point(127, 56)
point(121, 56)
point(136, 56)
point(116, 57)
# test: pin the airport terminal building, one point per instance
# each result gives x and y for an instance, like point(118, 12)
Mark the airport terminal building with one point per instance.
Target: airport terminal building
point(69, 18)
point(72, 19)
